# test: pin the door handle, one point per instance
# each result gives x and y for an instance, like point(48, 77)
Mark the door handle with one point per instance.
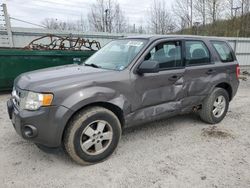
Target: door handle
point(173, 78)
point(211, 71)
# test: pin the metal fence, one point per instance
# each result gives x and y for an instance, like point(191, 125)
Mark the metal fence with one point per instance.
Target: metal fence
point(241, 47)
point(21, 37)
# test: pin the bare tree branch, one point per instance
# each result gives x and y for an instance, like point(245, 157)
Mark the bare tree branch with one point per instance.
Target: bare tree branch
point(107, 16)
point(160, 21)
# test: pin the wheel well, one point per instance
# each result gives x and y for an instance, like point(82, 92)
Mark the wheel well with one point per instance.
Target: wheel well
point(115, 109)
point(227, 87)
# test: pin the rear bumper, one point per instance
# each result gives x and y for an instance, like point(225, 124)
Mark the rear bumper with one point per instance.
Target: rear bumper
point(47, 123)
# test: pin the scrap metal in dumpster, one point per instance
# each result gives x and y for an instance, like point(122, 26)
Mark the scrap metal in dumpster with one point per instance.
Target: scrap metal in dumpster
point(59, 51)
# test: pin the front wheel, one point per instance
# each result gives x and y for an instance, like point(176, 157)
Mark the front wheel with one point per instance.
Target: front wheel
point(92, 135)
point(215, 106)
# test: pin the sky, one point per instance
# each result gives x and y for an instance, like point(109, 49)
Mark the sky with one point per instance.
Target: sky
point(67, 10)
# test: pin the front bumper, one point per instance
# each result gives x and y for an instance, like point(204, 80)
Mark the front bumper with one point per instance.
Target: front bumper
point(48, 123)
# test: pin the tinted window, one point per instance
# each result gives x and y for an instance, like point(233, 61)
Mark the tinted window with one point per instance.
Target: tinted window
point(167, 54)
point(223, 50)
point(196, 53)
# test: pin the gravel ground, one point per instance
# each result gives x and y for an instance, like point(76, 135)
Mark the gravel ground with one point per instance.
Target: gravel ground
point(178, 152)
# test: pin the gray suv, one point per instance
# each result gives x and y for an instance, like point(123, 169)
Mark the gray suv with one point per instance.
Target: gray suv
point(130, 81)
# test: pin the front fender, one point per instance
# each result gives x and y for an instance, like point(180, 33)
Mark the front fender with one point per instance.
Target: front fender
point(87, 96)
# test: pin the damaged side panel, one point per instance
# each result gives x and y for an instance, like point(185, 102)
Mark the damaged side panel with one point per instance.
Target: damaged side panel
point(153, 113)
point(156, 96)
point(160, 97)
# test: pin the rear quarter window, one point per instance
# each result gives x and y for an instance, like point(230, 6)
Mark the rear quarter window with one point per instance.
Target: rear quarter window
point(224, 51)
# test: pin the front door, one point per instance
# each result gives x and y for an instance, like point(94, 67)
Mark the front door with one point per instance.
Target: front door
point(160, 92)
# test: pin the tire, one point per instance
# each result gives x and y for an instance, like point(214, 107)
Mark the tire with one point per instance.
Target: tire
point(208, 112)
point(85, 130)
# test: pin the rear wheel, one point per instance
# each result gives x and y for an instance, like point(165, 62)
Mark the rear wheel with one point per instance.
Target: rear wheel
point(92, 135)
point(215, 106)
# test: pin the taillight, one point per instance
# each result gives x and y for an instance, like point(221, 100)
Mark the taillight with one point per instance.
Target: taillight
point(237, 71)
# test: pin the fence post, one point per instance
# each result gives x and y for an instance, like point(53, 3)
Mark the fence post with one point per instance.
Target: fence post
point(8, 25)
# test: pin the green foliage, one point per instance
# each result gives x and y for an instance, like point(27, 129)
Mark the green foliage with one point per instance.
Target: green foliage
point(236, 27)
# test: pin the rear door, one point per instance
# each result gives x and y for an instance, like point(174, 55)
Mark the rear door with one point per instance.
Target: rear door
point(200, 69)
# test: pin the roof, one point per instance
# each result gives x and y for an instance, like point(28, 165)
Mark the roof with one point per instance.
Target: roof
point(156, 37)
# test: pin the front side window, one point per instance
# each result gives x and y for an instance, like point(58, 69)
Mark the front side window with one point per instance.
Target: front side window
point(196, 53)
point(223, 50)
point(168, 55)
point(116, 55)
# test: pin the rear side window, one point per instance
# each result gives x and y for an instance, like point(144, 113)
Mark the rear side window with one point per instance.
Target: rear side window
point(224, 51)
point(196, 53)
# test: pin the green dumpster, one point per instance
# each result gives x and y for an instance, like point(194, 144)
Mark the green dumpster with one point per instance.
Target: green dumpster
point(16, 61)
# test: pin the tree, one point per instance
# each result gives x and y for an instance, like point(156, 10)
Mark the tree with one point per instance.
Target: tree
point(214, 9)
point(229, 5)
point(183, 10)
point(160, 19)
point(106, 16)
point(96, 16)
point(52, 23)
point(200, 10)
point(82, 25)
point(245, 5)
point(120, 22)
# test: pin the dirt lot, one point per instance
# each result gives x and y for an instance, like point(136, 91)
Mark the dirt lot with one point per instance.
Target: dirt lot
point(178, 152)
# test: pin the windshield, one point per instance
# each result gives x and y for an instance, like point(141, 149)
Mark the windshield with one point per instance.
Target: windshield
point(116, 55)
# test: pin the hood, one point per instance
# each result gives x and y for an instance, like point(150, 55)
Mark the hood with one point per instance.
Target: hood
point(52, 78)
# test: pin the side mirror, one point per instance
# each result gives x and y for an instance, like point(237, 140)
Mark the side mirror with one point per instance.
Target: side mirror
point(148, 66)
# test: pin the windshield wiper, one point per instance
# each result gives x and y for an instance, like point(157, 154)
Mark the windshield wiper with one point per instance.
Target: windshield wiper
point(92, 65)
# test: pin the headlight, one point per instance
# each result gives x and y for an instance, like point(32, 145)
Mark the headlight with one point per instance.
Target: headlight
point(33, 101)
